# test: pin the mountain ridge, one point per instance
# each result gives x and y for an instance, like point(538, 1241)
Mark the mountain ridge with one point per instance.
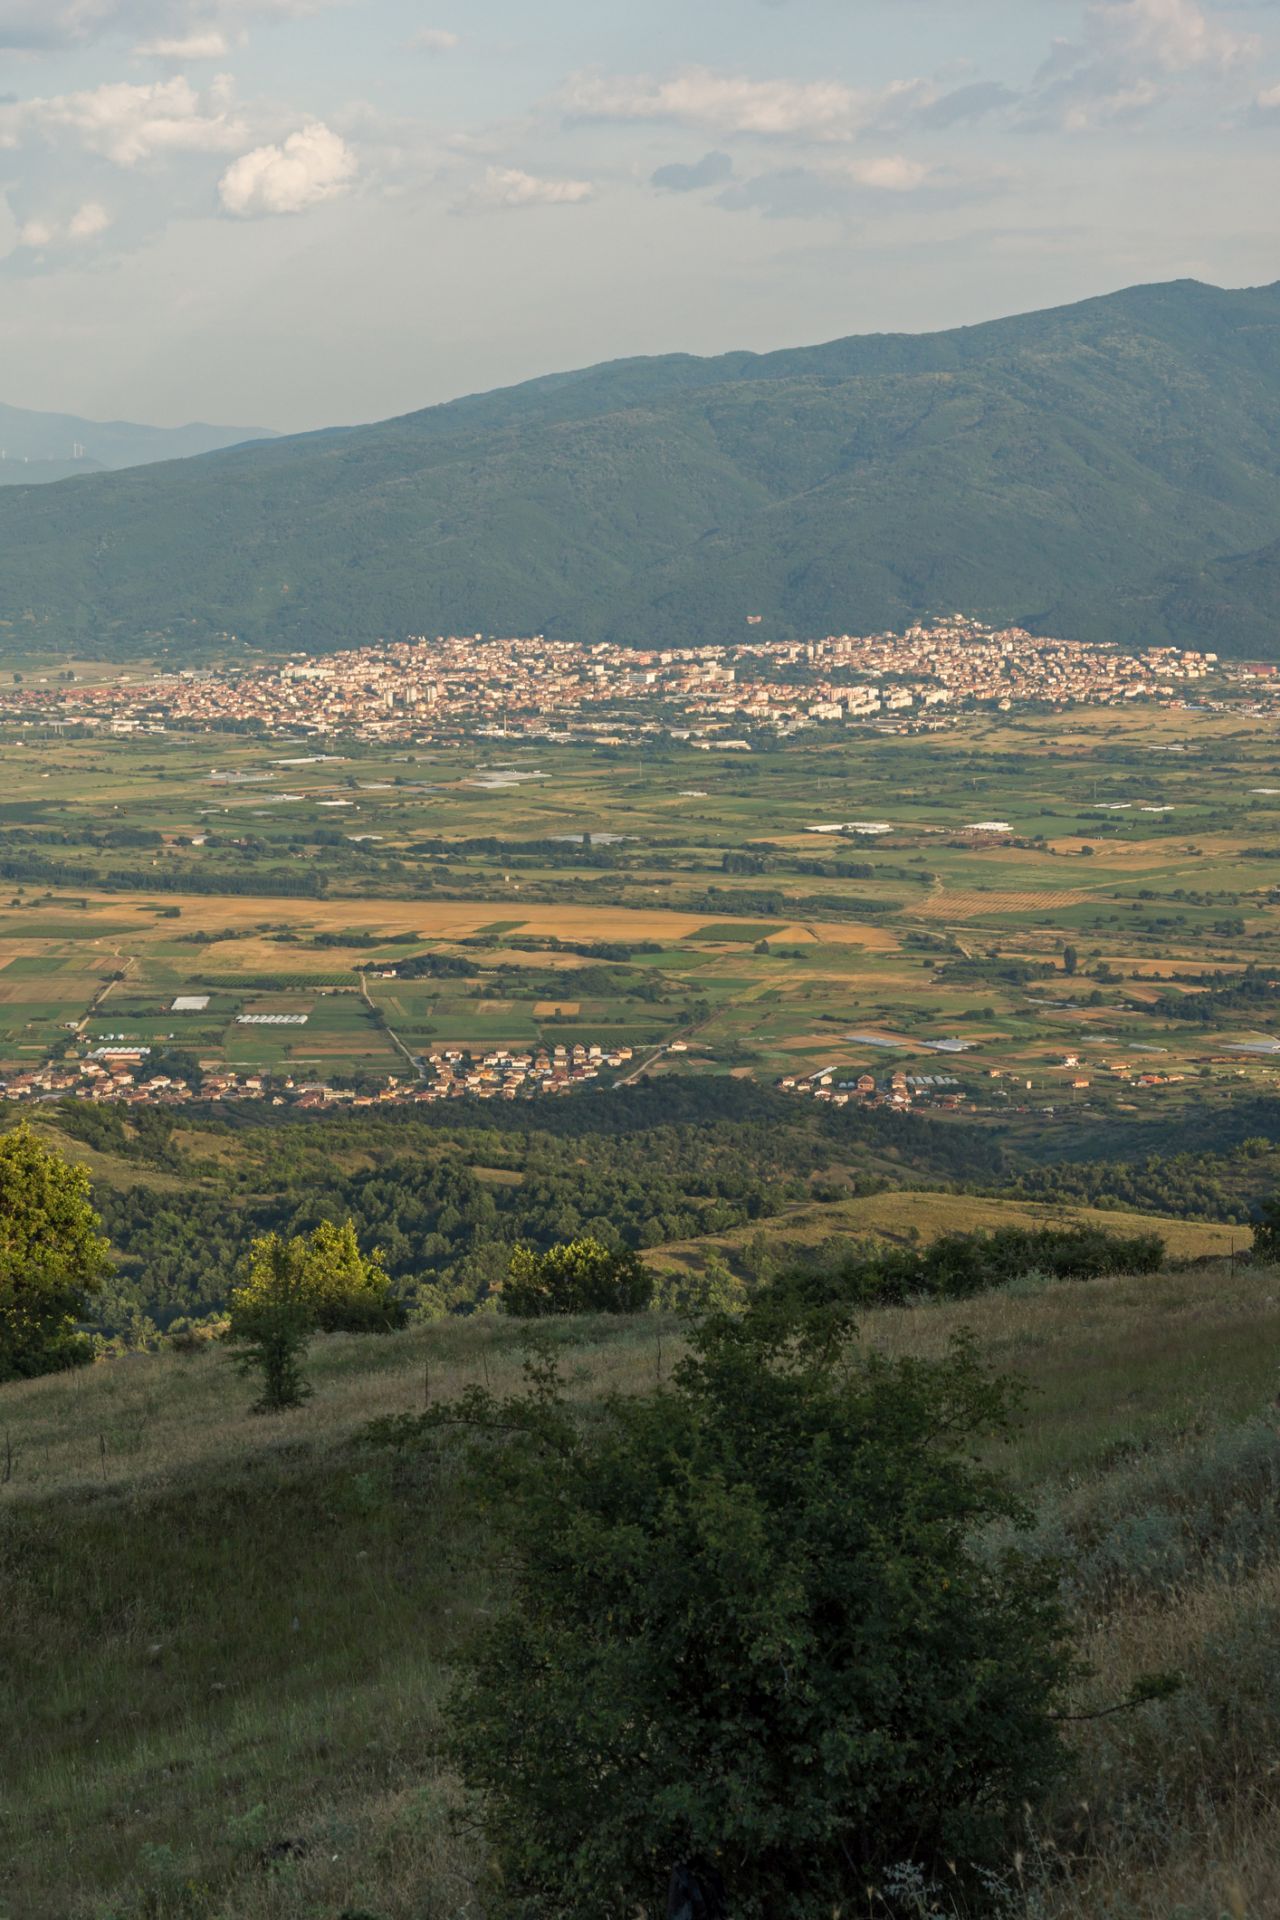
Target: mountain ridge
point(1108, 469)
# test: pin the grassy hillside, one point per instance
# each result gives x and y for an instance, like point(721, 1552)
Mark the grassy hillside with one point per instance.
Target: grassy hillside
point(899, 1218)
point(1070, 462)
point(223, 1641)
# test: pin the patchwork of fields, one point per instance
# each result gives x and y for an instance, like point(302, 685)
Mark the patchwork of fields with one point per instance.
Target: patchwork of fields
point(1128, 856)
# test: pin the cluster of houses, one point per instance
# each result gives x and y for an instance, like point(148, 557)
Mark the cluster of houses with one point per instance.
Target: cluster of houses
point(1119, 1070)
point(116, 1073)
point(123, 1074)
point(897, 1090)
point(959, 660)
point(901, 1090)
point(502, 1074)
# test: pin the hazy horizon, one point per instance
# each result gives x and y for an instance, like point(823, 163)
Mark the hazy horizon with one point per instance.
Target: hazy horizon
point(270, 431)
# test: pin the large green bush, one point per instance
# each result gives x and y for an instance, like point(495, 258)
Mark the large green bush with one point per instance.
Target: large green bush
point(751, 1632)
point(318, 1283)
point(579, 1276)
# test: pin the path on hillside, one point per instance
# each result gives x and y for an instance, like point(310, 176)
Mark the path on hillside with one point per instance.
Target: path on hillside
point(418, 1068)
point(114, 980)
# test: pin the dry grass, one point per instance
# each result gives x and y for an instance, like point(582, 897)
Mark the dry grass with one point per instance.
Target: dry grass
point(893, 1216)
point(108, 1169)
point(1175, 1807)
point(220, 1634)
point(873, 937)
point(966, 903)
point(252, 951)
point(149, 1421)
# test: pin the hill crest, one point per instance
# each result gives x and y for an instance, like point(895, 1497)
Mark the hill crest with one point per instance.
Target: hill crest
point(1096, 468)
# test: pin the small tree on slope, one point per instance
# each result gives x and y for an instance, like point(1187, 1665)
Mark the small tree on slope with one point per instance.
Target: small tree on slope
point(272, 1321)
point(318, 1283)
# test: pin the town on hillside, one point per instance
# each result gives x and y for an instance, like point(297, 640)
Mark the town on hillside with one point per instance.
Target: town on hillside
point(423, 690)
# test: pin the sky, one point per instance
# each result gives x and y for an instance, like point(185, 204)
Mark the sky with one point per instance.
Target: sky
point(298, 213)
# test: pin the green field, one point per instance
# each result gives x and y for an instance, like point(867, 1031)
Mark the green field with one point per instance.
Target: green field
point(773, 944)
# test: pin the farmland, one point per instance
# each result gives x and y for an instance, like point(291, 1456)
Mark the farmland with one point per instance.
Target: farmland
point(1063, 1020)
point(1045, 885)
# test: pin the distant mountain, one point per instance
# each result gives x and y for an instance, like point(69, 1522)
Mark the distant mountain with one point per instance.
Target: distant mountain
point(36, 447)
point(36, 473)
point(1092, 469)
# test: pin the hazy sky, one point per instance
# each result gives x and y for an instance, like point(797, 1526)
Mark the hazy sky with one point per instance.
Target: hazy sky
point(295, 212)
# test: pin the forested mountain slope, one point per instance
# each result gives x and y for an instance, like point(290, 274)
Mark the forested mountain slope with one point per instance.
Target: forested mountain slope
point(1098, 469)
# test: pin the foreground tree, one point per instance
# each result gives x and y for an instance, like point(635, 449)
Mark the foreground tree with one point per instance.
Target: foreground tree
point(53, 1260)
point(580, 1276)
point(755, 1636)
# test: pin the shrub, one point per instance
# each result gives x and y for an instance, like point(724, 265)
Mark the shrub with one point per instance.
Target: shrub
point(714, 1288)
point(350, 1291)
point(579, 1276)
point(750, 1636)
point(1266, 1232)
point(958, 1265)
point(272, 1321)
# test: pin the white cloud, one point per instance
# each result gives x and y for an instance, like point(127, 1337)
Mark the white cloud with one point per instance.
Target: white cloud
point(87, 223)
point(1089, 106)
point(132, 124)
point(311, 166)
point(727, 103)
point(892, 173)
point(1269, 99)
point(39, 26)
point(1172, 36)
point(1131, 56)
point(509, 187)
point(434, 40)
point(212, 45)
